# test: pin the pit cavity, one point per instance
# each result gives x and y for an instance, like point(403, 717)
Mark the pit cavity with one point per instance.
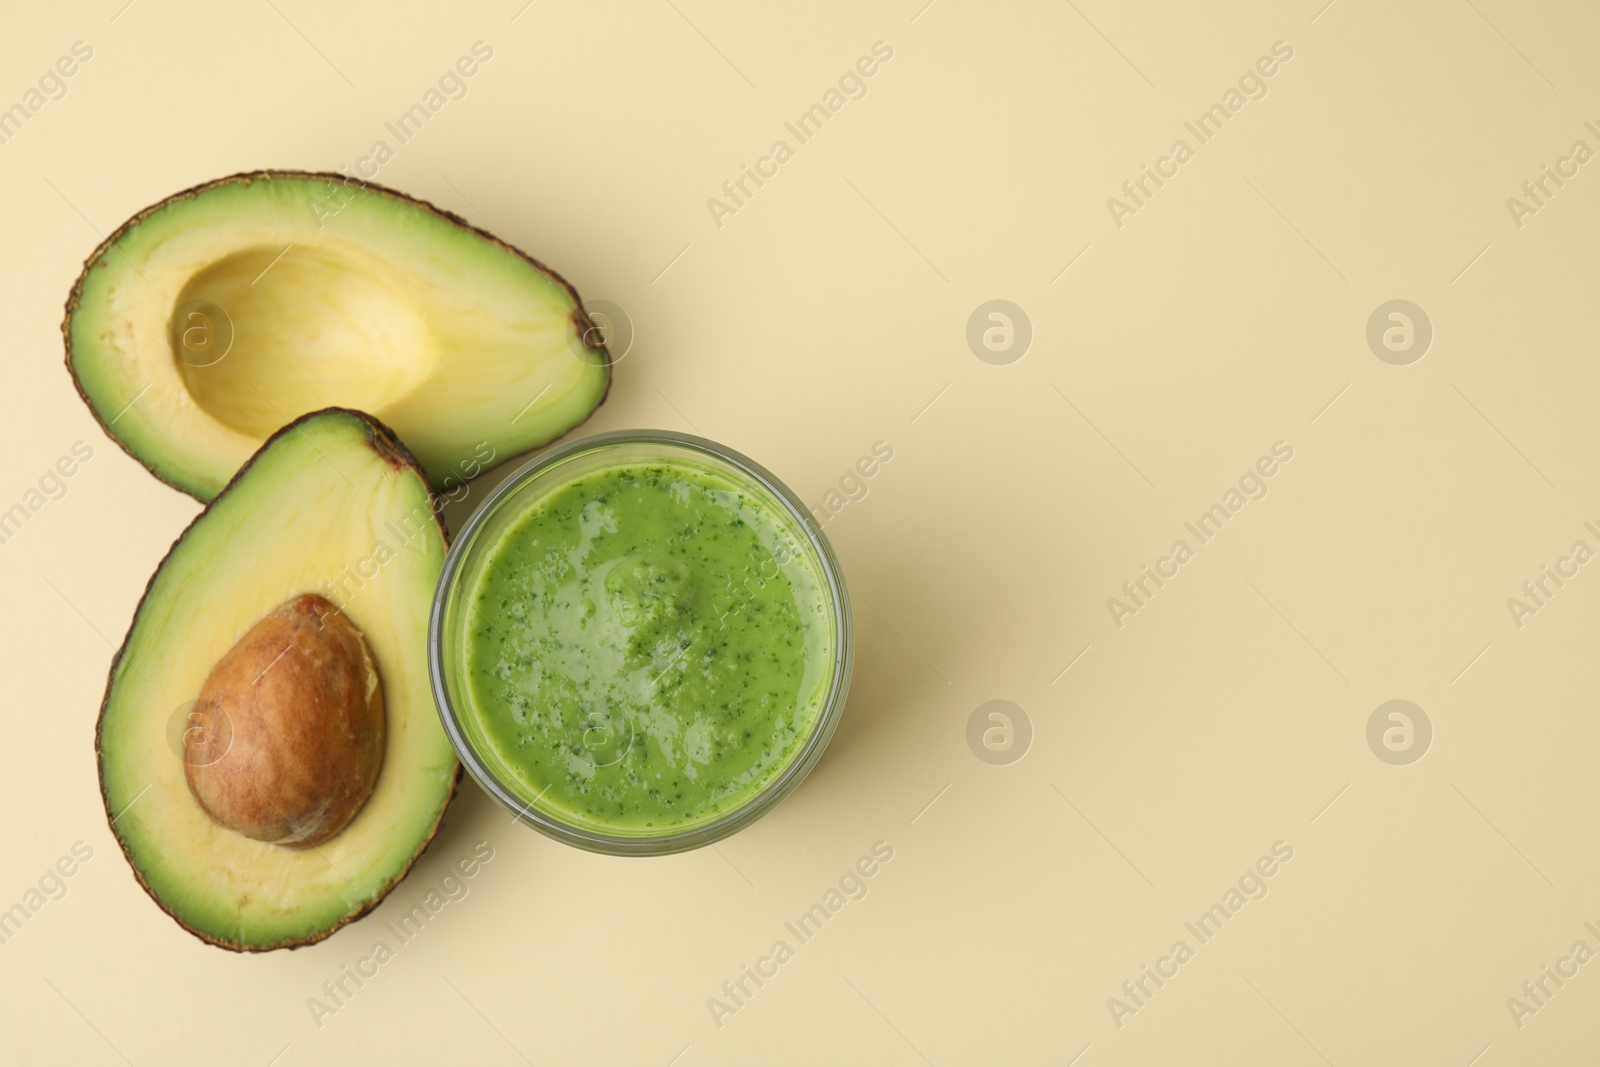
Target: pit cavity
point(264, 335)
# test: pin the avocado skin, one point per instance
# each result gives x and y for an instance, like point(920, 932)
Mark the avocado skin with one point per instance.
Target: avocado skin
point(387, 445)
point(581, 318)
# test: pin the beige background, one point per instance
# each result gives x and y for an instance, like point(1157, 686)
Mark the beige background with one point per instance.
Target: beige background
point(826, 315)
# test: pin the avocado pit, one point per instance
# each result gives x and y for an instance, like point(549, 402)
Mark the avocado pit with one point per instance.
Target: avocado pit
point(289, 729)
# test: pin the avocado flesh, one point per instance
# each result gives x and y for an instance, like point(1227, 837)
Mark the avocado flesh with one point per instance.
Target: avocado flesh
point(337, 295)
point(307, 514)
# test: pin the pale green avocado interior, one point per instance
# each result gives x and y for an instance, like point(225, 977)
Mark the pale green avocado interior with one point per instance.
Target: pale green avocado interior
point(220, 315)
point(329, 507)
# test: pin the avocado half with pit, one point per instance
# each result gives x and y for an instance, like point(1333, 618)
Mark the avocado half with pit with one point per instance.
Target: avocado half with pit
point(206, 322)
point(270, 755)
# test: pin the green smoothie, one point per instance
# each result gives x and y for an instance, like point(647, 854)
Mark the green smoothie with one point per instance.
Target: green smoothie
point(648, 647)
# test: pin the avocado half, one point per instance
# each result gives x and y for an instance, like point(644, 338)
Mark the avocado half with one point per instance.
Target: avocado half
point(334, 506)
point(208, 321)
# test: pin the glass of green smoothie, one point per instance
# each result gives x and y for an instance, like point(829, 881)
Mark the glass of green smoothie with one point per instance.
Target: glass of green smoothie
point(641, 642)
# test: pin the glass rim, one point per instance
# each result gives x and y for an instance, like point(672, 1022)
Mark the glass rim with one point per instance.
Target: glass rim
point(730, 822)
